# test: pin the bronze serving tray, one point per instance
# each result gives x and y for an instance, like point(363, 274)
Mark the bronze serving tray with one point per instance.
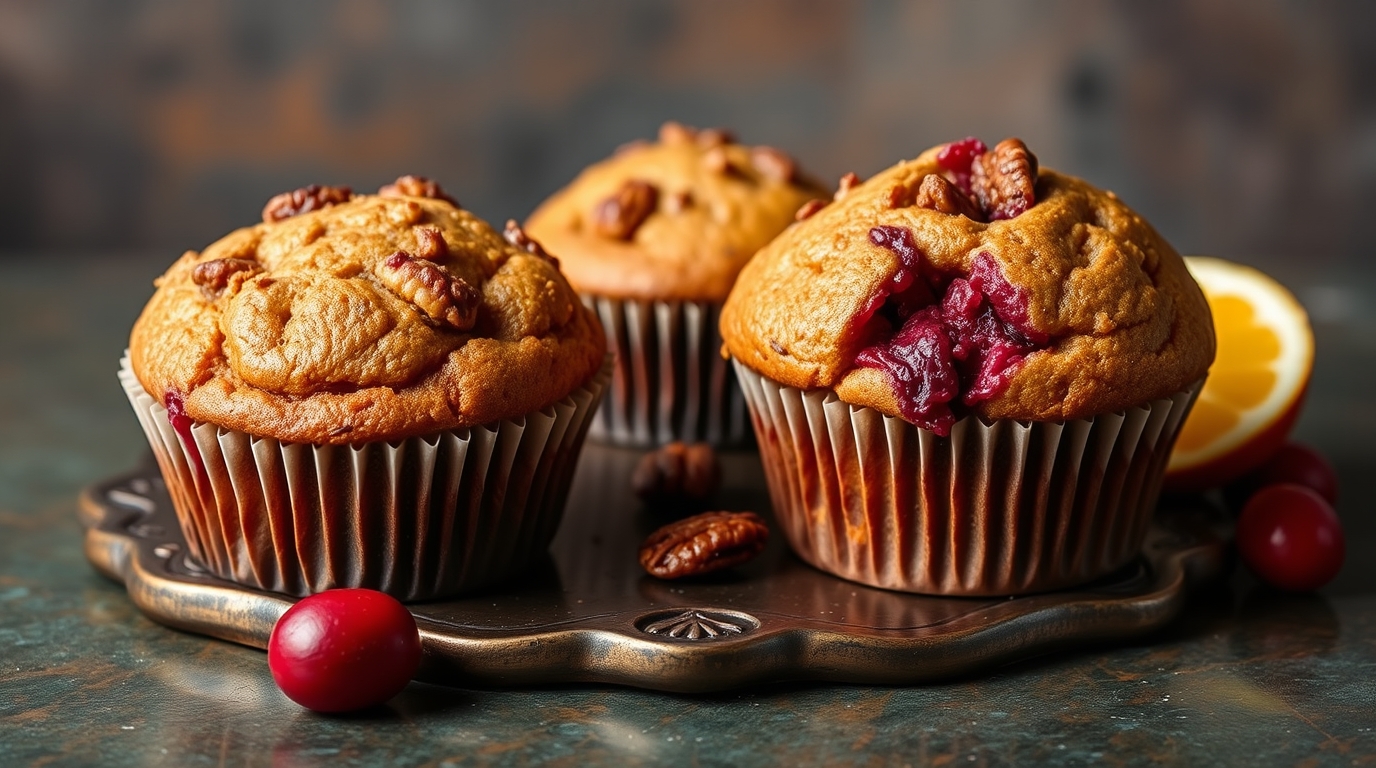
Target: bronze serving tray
point(589, 614)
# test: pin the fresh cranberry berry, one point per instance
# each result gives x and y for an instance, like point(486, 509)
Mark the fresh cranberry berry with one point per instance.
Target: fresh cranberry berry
point(1290, 537)
point(1293, 463)
point(958, 156)
point(344, 649)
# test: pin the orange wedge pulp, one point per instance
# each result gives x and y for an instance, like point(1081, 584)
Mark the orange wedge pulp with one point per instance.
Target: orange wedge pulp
point(1256, 385)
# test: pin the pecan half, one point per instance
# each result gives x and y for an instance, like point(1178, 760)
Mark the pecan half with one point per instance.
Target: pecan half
point(430, 244)
point(417, 186)
point(809, 209)
point(847, 183)
point(311, 198)
point(441, 296)
point(677, 471)
point(1004, 180)
point(516, 236)
point(703, 543)
point(214, 276)
point(938, 194)
point(773, 164)
point(618, 216)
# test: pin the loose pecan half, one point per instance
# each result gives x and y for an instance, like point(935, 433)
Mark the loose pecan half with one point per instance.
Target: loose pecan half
point(417, 186)
point(311, 198)
point(430, 244)
point(214, 276)
point(938, 194)
point(1004, 180)
point(618, 216)
point(773, 164)
point(703, 543)
point(441, 296)
point(677, 471)
point(516, 236)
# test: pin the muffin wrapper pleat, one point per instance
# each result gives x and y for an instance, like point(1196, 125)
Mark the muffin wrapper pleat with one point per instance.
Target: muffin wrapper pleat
point(670, 381)
point(418, 518)
point(1003, 508)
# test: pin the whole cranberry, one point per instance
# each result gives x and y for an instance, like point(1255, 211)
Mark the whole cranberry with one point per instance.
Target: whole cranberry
point(1290, 537)
point(344, 649)
point(1293, 463)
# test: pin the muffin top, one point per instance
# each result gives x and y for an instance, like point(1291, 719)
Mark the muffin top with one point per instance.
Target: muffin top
point(672, 220)
point(970, 280)
point(347, 318)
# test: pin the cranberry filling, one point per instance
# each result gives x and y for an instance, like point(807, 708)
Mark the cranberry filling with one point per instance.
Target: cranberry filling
point(967, 346)
point(957, 157)
point(181, 424)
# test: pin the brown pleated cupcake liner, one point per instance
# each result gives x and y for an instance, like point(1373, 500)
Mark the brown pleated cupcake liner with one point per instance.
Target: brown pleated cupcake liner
point(420, 518)
point(1002, 508)
point(670, 381)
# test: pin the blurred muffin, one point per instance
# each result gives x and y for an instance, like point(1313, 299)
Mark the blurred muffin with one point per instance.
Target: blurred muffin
point(653, 239)
point(366, 390)
point(967, 373)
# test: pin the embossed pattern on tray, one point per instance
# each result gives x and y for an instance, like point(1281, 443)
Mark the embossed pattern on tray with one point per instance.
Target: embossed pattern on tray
point(587, 613)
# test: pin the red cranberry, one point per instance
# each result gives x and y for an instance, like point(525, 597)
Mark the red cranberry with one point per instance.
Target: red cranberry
point(1290, 537)
point(344, 649)
point(1293, 463)
point(181, 423)
point(958, 156)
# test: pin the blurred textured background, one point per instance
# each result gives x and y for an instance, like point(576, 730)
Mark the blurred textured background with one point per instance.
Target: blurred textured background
point(1241, 128)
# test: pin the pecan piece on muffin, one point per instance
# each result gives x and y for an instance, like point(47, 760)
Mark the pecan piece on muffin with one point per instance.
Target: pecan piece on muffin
point(362, 375)
point(966, 373)
point(653, 238)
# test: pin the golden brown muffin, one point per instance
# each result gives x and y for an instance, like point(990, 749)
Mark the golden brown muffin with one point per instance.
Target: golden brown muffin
point(973, 281)
point(350, 318)
point(672, 220)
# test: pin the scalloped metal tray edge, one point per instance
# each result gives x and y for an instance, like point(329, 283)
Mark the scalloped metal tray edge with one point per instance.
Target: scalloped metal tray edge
point(769, 624)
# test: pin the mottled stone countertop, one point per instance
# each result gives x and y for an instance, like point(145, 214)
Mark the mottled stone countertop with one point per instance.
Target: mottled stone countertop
point(1246, 677)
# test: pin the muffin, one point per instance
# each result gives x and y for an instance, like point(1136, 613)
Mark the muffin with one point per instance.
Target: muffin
point(366, 391)
point(967, 373)
point(653, 239)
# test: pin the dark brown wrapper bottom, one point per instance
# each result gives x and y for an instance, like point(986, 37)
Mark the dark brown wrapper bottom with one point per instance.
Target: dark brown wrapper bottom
point(420, 518)
point(670, 381)
point(1004, 508)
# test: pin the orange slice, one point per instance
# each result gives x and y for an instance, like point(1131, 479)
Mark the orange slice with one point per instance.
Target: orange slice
point(1256, 385)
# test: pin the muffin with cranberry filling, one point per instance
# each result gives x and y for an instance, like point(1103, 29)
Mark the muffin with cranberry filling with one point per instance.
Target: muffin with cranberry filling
point(366, 391)
point(653, 239)
point(966, 374)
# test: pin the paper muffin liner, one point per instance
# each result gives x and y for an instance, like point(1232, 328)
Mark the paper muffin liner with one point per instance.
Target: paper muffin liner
point(670, 381)
point(418, 518)
point(1003, 508)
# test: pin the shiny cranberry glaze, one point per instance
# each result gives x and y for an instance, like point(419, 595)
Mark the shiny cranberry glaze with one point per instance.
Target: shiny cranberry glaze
point(181, 424)
point(955, 352)
point(957, 157)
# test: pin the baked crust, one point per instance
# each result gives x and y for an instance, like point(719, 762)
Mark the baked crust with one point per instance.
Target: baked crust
point(1126, 323)
point(716, 202)
point(316, 337)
